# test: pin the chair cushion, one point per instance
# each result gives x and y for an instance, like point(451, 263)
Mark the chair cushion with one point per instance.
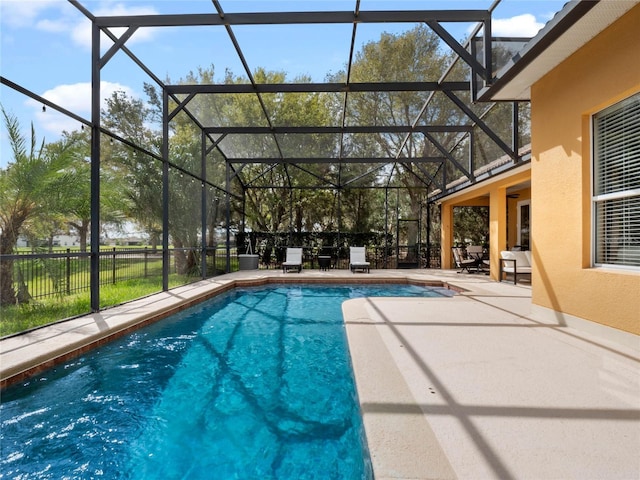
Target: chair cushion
point(294, 256)
point(523, 264)
point(521, 259)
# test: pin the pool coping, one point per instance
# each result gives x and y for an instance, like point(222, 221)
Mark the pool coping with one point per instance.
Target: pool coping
point(401, 445)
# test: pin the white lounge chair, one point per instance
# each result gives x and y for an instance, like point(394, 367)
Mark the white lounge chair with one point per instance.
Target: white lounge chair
point(358, 260)
point(516, 263)
point(293, 260)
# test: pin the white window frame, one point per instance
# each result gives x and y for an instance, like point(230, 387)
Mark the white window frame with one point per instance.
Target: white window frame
point(597, 199)
point(519, 206)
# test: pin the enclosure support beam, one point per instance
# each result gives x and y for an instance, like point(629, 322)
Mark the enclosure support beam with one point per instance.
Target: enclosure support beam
point(95, 169)
point(476, 67)
point(315, 160)
point(428, 206)
point(271, 130)
point(472, 155)
point(243, 221)
point(228, 215)
point(483, 126)
point(339, 214)
point(515, 128)
point(318, 87)
point(386, 225)
point(290, 216)
point(165, 191)
point(204, 203)
point(288, 18)
point(397, 229)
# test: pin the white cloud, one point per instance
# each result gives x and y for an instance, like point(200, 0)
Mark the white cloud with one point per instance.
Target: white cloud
point(22, 13)
point(58, 16)
point(81, 32)
point(77, 99)
point(52, 26)
point(524, 25)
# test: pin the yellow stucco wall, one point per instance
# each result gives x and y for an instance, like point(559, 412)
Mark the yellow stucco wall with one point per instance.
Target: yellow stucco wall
point(604, 71)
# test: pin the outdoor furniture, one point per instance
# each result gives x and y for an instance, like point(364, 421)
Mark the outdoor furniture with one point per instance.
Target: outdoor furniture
point(293, 261)
point(324, 262)
point(463, 262)
point(516, 263)
point(266, 256)
point(477, 253)
point(357, 259)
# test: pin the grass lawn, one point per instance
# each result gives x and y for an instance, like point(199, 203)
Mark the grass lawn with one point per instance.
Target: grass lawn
point(19, 318)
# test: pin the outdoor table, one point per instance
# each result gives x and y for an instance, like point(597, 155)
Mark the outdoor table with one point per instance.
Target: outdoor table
point(324, 262)
point(479, 258)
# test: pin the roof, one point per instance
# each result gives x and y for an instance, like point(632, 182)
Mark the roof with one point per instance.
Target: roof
point(571, 28)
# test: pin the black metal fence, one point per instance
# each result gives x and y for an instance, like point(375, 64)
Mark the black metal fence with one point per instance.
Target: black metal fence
point(41, 275)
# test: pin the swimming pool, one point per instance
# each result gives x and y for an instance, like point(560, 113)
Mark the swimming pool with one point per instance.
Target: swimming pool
point(256, 383)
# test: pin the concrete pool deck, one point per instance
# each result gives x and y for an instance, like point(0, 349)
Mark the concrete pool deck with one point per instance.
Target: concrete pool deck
point(478, 386)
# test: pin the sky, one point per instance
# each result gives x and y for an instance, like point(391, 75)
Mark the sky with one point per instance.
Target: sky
point(45, 47)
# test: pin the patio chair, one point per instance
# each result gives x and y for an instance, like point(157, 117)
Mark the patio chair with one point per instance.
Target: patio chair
point(357, 260)
point(477, 253)
point(515, 262)
point(462, 262)
point(293, 261)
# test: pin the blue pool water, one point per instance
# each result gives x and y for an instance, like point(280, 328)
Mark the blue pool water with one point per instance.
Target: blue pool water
point(255, 384)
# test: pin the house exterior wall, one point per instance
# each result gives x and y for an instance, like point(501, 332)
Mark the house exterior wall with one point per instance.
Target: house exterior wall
point(603, 72)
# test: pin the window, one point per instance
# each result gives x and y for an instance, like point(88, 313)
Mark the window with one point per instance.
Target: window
point(616, 184)
point(523, 224)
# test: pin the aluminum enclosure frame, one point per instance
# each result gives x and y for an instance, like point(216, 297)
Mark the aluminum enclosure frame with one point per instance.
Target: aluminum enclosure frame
point(211, 135)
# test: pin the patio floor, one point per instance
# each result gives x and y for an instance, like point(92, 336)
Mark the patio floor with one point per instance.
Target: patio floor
point(472, 387)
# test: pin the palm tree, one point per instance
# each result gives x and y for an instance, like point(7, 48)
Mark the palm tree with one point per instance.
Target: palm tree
point(28, 183)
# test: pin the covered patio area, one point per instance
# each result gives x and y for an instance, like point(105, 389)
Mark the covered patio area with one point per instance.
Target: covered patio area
point(507, 195)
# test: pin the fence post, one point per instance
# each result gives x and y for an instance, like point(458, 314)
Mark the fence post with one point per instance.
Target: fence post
point(113, 268)
point(146, 259)
point(68, 271)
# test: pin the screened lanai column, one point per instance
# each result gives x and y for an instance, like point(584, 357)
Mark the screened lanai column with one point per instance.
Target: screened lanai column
point(497, 227)
point(446, 234)
point(165, 190)
point(94, 280)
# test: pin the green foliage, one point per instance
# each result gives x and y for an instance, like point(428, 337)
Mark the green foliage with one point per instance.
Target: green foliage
point(34, 187)
point(471, 225)
point(19, 318)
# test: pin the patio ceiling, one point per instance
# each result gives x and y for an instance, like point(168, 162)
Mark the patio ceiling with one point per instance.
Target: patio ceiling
point(449, 145)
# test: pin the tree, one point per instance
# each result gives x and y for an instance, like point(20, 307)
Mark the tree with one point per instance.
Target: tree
point(412, 56)
point(28, 184)
point(131, 181)
point(471, 225)
point(272, 192)
point(140, 175)
point(74, 206)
